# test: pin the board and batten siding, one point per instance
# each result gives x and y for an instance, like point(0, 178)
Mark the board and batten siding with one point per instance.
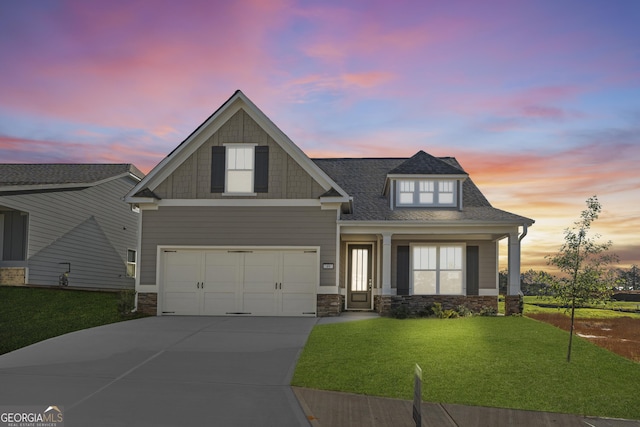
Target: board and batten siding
point(90, 228)
point(235, 227)
point(192, 179)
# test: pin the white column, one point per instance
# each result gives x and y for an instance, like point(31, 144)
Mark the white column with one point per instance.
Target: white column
point(514, 264)
point(386, 264)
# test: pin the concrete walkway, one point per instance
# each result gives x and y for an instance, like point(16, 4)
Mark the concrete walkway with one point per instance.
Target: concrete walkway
point(333, 409)
point(164, 371)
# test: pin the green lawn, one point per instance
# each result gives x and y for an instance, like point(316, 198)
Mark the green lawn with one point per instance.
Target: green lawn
point(510, 362)
point(29, 315)
point(535, 304)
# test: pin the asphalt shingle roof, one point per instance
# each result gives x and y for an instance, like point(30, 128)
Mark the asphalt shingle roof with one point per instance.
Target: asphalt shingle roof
point(425, 164)
point(364, 180)
point(61, 173)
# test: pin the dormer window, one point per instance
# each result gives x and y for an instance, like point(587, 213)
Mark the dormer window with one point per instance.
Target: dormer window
point(426, 192)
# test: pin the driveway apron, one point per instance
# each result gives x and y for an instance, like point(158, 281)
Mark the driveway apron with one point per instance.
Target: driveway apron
point(164, 371)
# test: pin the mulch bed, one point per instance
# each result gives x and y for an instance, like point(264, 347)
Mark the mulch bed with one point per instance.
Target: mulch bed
point(619, 335)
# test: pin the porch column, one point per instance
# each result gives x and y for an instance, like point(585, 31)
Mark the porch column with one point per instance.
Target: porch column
point(513, 284)
point(386, 263)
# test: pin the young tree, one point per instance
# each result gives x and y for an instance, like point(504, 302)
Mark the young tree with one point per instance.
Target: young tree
point(583, 264)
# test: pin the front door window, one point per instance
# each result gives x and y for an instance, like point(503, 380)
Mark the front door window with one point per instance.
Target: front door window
point(360, 277)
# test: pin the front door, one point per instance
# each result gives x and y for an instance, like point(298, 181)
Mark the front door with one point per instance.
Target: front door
point(360, 277)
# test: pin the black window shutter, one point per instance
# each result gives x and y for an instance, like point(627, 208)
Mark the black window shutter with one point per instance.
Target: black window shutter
point(473, 270)
point(261, 175)
point(402, 273)
point(218, 165)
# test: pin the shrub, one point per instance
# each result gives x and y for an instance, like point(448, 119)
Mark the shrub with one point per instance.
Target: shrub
point(400, 312)
point(450, 314)
point(488, 311)
point(463, 311)
point(426, 311)
point(126, 302)
point(436, 309)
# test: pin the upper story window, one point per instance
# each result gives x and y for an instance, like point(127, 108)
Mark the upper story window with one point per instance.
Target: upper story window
point(239, 169)
point(425, 192)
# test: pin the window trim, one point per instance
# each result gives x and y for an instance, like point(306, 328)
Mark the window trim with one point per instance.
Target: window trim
point(438, 270)
point(435, 193)
point(226, 169)
point(134, 263)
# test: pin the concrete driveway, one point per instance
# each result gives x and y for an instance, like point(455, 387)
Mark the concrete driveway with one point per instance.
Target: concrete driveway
point(164, 371)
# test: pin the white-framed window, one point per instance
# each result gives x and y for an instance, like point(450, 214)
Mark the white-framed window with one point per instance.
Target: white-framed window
point(426, 192)
point(132, 260)
point(437, 269)
point(446, 192)
point(405, 192)
point(240, 168)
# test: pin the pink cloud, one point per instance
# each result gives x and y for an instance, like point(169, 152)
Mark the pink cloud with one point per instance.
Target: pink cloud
point(128, 65)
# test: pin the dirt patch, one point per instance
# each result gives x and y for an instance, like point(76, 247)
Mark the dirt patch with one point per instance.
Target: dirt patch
point(619, 335)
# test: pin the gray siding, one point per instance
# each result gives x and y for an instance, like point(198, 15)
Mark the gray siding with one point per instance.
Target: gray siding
point(91, 228)
point(237, 226)
point(488, 264)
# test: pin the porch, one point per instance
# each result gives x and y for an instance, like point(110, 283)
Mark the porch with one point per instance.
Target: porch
point(417, 268)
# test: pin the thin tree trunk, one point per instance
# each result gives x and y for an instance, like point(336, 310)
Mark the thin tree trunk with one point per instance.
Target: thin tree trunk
point(573, 292)
point(573, 311)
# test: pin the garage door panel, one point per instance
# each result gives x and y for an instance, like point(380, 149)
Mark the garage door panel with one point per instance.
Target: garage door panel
point(300, 272)
point(220, 303)
point(180, 303)
point(182, 270)
point(260, 272)
point(259, 303)
point(298, 304)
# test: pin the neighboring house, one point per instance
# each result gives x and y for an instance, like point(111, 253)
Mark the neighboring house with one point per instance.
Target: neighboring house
point(237, 220)
point(56, 216)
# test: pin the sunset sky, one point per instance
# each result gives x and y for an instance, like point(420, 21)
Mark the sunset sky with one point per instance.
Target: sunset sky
point(539, 100)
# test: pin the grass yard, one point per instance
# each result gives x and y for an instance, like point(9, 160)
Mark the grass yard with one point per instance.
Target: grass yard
point(29, 315)
point(546, 305)
point(509, 362)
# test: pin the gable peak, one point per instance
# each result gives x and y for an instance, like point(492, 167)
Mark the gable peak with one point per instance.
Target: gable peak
point(423, 163)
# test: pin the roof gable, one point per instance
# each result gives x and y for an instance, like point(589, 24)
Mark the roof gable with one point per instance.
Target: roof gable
point(215, 122)
point(422, 163)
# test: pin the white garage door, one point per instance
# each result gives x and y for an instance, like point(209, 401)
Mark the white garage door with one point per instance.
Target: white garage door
point(240, 282)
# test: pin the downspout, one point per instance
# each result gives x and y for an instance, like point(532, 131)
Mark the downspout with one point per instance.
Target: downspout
point(524, 232)
point(522, 236)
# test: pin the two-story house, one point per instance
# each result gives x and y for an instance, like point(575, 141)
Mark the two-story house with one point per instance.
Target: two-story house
point(237, 220)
